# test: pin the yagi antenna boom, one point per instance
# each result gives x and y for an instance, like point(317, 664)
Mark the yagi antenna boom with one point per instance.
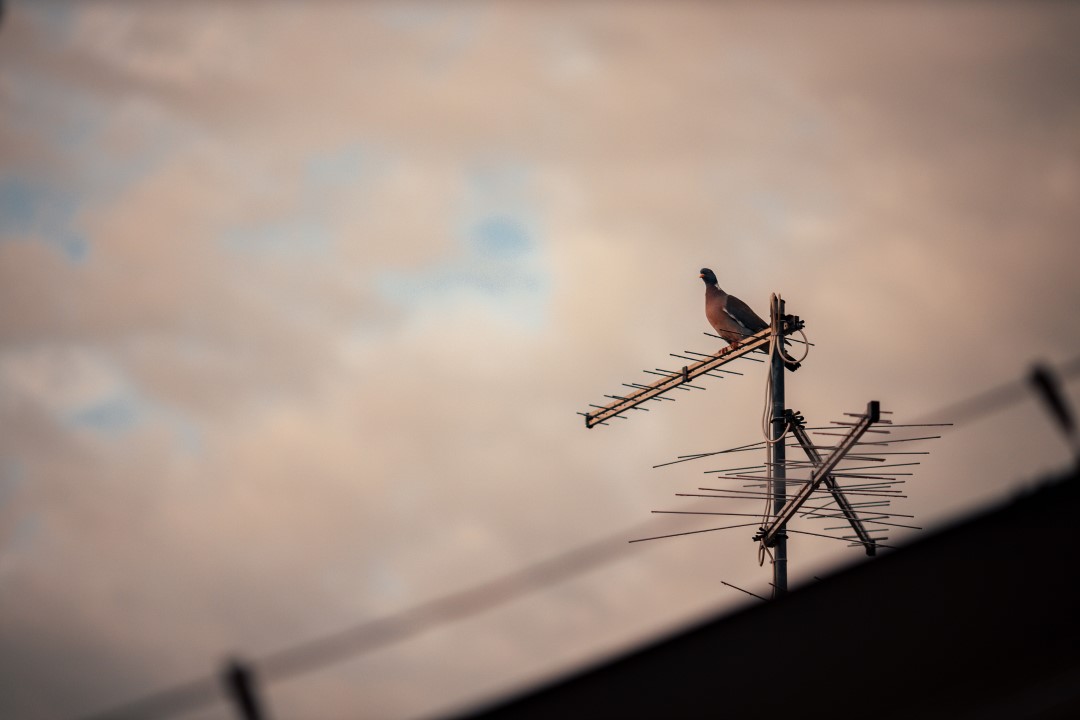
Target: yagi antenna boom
point(671, 380)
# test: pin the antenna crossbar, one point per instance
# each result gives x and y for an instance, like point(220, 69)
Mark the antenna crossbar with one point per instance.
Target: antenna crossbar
point(773, 530)
point(799, 431)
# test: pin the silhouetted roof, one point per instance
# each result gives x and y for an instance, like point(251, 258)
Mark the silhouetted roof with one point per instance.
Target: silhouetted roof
point(978, 620)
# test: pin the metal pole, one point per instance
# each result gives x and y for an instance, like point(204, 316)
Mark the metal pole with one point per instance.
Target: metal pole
point(240, 684)
point(777, 453)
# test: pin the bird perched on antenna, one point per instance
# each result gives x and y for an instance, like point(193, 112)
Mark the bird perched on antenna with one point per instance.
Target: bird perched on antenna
point(732, 319)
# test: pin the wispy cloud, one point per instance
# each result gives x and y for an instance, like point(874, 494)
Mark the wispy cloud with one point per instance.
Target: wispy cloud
point(297, 304)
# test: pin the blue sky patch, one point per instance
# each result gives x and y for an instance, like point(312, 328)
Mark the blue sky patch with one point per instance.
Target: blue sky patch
point(48, 213)
point(335, 169)
point(113, 415)
point(73, 124)
point(501, 238)
point(125, 409)
point(498, 261)
point(56, 17)
point(305, 230)
point(18, 206)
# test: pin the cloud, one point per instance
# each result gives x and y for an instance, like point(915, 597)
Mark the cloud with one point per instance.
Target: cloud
point(499, 267)
point(348, 272)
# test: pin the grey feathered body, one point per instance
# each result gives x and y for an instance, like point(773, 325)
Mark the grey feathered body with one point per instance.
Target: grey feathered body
point(732, 319)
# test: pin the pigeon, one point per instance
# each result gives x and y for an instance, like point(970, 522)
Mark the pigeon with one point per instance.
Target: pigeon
point(732, 319)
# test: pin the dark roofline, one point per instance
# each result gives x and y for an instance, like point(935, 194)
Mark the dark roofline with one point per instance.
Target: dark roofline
point(977, 619)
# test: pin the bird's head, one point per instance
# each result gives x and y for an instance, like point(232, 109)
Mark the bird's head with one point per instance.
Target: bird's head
point(708, 276)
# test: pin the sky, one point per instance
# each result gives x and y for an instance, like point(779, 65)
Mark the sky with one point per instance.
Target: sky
point(298, 303)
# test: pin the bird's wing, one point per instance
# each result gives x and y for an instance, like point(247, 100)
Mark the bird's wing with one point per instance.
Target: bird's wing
point(741, 313)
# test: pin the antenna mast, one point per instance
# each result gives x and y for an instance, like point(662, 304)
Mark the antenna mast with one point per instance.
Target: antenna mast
point(775, 450)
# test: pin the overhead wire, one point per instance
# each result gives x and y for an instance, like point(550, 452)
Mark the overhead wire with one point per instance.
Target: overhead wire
point(383, 632)
point(389, 630)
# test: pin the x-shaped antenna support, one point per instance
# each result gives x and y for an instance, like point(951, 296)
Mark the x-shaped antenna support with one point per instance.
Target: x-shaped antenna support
point(823, 468)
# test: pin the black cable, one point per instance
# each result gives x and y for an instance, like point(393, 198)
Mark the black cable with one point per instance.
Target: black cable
point(375, 634)
point(988, 401)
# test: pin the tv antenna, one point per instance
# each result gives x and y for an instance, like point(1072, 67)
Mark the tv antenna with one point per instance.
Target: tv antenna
point(831, 481)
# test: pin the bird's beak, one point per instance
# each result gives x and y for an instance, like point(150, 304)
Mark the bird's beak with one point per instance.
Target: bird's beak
point(702, 276)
